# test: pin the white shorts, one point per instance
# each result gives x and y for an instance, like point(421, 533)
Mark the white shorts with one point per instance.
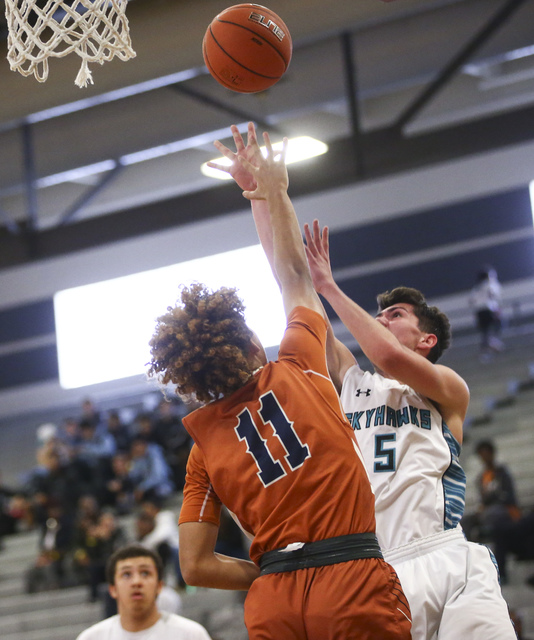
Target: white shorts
point(453, 589)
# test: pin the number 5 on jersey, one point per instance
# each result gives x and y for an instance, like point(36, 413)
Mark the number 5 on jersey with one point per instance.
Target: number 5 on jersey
point(270, 412)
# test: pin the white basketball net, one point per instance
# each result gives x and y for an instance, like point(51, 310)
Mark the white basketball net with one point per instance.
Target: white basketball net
point(97, 30)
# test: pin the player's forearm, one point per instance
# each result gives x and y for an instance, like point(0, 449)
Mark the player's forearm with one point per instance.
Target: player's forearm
point(378, 344)
point(222, 572)
point(262, 220)
point(289, 258)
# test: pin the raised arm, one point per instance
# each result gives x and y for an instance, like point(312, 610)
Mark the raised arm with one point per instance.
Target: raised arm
point(289, 259)
point(440, 384)
point(339, 357)
point(247, 182)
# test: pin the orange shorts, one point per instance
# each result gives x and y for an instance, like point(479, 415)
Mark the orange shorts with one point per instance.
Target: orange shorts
point(354, 600)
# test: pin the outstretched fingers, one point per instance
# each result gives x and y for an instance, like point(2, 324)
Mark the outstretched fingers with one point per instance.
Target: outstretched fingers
point(316, 240)
point(238, 138)
point(308, 237)
point(321, 237)
point(275, 156)
point(283, 153)
point(227, 153)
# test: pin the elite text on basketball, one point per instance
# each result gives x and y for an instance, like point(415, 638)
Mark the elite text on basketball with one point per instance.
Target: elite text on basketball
point(268, 24)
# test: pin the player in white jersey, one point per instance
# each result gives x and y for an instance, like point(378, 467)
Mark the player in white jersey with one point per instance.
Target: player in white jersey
point(408, 419)
point(135, 577)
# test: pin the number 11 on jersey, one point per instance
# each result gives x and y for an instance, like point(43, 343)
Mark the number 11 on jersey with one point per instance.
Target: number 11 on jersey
point(270, 412)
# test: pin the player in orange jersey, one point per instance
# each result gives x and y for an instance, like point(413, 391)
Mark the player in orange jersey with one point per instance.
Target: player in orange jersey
point(273, 445)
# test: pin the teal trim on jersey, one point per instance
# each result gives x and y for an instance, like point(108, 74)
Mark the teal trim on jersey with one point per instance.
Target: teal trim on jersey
point(454, 481)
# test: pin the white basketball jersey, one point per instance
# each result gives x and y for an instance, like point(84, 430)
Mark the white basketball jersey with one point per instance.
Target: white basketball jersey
point(410, 455)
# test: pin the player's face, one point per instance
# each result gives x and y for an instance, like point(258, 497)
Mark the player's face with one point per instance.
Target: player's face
point(401, 320)
point(136, 585)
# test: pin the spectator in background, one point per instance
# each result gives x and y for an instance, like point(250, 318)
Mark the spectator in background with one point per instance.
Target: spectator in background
point(95, 545)
point(149, 471)
point(485, 299)
point(144, 426)
point(49, 571)
point(169, 432)
point(94, 446)
point(8, 523)
point(163, 537)
point(498, 508)
point(95, 449)
point(516, 537)
point(144, 524)
point(165, 423)
point(20, 510)
point(55, 479)
point(119, 431)
point(49, 440)
point(87, 515)
point(69, 433)
point(116, 488)
point(517, 619)
point(90, 412)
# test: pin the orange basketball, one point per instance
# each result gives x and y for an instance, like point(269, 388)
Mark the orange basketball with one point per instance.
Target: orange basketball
point(247, 48)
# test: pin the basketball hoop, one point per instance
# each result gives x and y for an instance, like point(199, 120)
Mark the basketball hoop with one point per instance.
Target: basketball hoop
point(96, 30)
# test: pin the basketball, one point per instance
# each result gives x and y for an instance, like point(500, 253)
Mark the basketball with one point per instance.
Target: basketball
point(247, 48)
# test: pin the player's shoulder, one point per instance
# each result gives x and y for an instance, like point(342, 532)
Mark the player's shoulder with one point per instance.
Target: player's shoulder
point(98, 630)
point(306, 315)
point(304, 338)
point(454, 379)
point(179, 623)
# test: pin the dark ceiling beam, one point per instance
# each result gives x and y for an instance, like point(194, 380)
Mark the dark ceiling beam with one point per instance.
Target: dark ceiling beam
point(493, 25)
point(386, 153)
point(104, 98)
point(351, 87)
point(91, 193)
point(30, 176)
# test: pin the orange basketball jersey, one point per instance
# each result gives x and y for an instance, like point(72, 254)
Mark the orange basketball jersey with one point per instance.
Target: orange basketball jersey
point(279, 452)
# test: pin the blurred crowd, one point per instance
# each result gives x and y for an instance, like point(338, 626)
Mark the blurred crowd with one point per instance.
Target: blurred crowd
point(89, 471)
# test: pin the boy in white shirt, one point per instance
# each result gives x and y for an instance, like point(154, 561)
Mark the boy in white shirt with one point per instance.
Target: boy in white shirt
point(135, 575)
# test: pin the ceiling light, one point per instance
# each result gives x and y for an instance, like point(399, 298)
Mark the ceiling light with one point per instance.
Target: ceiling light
point(298, 149)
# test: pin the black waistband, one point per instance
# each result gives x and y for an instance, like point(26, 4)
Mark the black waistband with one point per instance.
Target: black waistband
point(322, 553)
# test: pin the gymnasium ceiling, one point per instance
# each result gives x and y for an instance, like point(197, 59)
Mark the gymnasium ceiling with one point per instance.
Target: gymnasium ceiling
point(389, 86)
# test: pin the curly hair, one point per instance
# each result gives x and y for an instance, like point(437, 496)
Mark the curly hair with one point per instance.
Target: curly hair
point(431, 319)
point(201, 345)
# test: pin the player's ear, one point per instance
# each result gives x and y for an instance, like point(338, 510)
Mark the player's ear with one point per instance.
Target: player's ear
point(253, 346)
point(427, 342)
point(112, 591)
point(256, 352)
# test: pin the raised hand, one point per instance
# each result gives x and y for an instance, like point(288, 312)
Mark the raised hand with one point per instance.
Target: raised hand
point(318, 255)
point(239, 173)
point(270, 173)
